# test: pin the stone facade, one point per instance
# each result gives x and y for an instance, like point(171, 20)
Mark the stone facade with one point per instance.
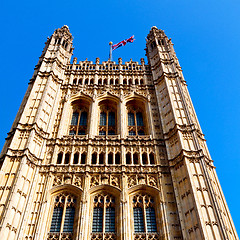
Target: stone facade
point(114, 149)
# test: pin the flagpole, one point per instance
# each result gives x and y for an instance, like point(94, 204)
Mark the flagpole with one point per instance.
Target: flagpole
point(110, 52)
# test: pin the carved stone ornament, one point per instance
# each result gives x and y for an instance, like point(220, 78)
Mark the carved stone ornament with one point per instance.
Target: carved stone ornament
point(113, 180)
point(67, 179)
point(142, 179)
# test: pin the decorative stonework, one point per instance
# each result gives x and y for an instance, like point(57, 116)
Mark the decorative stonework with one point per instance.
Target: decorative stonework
point(142, 179)
point(75, 180)
point(113, 180)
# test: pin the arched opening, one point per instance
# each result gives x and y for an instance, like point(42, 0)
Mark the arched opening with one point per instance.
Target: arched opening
point(137, 120)
point(63, 216)
point(76, 158)
point(79, 122)
point(110, 158)
point(111, 81)
point(100, 81)
point(67, 158)
point(151, 157)
point(83, 158)
point(135, 158)
point(136, 81)
point(125, 81)
point(128, 158)
point(116, 81)
point(75, 81)
point(91, 81)
point(117, 158)
point(101, 158)
point(108, 117)
point(59, 158)
point(94, 158)
point(144, 159)
point(104, 215)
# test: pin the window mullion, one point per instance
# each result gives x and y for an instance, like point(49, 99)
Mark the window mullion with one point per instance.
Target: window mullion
point(144, 216)
point(63, 216)
point(104, 215)
point(107, 122)
point(79, 117)
point(135, 120)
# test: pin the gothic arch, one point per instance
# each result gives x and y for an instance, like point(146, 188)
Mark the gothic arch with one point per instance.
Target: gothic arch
point(143, 188)
point(104, 212)
point(108, 96)
point(80, 96)
point(136, 96)
point(137, 116)
point(106, 188)
point(65, 188)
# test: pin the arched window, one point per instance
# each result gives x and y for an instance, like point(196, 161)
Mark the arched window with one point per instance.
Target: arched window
point(100, 81)
point(59, 158)
point(124, 81)
point(144, 159)
point(128, 158)
point(144, 214)
point(107, 121)
point(79, 118)
point(110, 158)
point(83, 158)
point(94, 158)
point(76, 158)
point(151, 157)
point(67, 158)
point(135, 158)
point(136, 122)
point(101, 158)
point(104, 216)
point(117, 158)
point(63, 215)
point(136, 82)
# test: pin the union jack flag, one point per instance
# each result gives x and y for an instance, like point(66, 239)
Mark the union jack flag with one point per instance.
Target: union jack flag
point(123, 43)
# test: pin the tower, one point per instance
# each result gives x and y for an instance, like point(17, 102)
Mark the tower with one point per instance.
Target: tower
point(109, 151)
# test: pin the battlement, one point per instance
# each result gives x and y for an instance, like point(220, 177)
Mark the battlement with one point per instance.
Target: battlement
point(109, 65)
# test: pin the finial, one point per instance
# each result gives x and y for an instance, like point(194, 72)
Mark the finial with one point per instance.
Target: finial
point(110, 43)
point(74, 60)
point(119, 60)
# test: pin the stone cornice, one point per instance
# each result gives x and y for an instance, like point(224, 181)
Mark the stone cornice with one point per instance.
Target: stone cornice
point(194, 156)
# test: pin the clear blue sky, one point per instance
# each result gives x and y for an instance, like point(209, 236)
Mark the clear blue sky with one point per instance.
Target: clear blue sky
point(206, 38)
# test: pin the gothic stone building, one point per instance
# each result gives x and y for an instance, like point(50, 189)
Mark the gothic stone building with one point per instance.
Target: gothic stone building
point(109, 151)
